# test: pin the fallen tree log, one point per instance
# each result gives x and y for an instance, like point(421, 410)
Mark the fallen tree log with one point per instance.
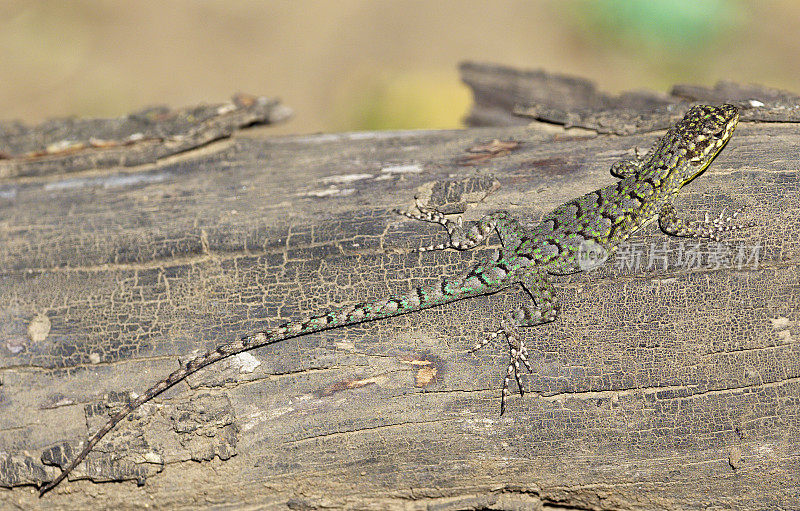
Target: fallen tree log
point(663, 384)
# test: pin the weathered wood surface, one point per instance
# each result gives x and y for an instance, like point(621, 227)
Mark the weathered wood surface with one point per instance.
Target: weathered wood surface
point(656, 388)
point(506, 96)
point(70, 145)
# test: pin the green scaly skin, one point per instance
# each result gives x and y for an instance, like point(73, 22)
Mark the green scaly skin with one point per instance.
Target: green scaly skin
point(603, 218)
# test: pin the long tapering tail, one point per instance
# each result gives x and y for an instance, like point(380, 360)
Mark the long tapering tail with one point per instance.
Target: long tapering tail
point(444, 291)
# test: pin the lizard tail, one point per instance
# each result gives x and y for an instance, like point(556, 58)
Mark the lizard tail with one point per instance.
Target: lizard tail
point(444, 291)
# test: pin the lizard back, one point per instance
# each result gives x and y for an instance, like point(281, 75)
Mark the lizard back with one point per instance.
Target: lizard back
point(610, 215)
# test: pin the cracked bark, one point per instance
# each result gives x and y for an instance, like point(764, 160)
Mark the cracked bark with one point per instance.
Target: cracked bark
point(656, 387)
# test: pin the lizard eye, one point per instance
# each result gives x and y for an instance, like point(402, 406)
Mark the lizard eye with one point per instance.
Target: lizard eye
point(719, 133)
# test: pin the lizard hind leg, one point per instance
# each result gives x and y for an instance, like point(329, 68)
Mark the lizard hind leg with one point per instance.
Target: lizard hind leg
point(544, 310)
point(461, 238)
point(517, 352)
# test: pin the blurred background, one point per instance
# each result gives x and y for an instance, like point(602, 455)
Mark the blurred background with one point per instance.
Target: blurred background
point(370, 64)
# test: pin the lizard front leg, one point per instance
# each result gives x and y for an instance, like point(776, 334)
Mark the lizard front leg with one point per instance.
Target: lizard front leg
point(626, 168)
point(545, 309)
point(670, 224)
point(460, 238)
point(629, 167)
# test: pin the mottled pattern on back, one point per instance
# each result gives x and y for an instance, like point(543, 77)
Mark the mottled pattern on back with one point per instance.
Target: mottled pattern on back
point(612, 214)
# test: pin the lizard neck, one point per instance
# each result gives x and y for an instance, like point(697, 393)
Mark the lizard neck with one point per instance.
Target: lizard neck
point(664, 179)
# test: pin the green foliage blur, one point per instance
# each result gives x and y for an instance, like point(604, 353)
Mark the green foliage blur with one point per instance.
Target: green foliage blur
point(368, 65)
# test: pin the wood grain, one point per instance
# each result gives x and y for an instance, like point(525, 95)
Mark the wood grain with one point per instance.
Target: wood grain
point(656, 388)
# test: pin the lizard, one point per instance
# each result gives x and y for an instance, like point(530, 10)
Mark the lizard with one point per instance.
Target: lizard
point(528, 258)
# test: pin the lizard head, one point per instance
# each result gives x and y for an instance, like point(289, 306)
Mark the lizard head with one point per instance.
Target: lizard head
point(703, 132)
